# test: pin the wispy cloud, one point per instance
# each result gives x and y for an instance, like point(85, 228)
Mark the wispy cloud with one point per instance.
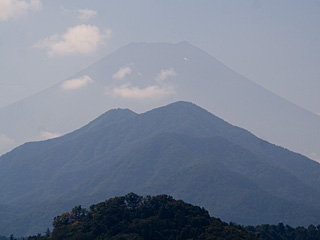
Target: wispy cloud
point(16, 8)
point(122, 73)
point(76, 83)
point(82, 15)
point(5, 140)
point(81, 39)
point(165, 73)
point(85, 14)
point(44, 135)
point(159, 89)
point(151, 92)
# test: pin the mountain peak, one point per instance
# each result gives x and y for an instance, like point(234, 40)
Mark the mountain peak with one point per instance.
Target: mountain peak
point(142, 76)
point(180, 149)
point(109, 117)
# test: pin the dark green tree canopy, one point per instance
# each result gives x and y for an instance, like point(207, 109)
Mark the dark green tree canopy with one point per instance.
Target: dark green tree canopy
point(135, 217)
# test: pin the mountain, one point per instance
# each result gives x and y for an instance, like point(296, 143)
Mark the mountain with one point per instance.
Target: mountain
point(180, 149)
point(142, 76)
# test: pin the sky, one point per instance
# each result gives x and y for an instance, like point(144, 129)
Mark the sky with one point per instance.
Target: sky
point(275, 43)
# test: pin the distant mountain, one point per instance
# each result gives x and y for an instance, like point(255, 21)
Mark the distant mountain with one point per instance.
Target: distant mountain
point(180, 149)
point(142, 76)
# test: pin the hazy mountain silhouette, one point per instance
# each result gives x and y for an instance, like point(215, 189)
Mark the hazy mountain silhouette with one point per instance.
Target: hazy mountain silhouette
point(180, 149)
point(141, 76)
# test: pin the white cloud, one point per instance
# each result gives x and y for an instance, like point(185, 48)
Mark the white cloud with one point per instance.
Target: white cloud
point(16, 8)
point(5, 140)
point(122, 73)
point(76, 83)
point(44, 135)
point(82, 15)
point(81, 39)
point(155, 91)
point(158, 90)
point(85, 14)
point(165, 73)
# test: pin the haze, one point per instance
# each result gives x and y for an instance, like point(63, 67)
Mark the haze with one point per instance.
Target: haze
point(276, 44)
point(177, 52)
point(213, 102)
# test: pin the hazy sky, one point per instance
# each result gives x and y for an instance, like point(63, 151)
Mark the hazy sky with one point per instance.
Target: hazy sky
point(275, 43)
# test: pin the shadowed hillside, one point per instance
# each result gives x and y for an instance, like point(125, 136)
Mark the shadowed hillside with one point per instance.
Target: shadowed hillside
point(180, 149)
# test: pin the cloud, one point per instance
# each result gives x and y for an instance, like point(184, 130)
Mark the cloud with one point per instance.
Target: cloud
point(155, 91)
point(44, 135)
point(158, 90)
point(16, 8)
point(85, 14)
point(122, 73)
point(5, 140)
point(165, 73)
point(76, 83)
point(81, 39)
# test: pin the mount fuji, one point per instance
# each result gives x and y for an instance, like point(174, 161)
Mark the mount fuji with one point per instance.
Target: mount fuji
point(142, 76)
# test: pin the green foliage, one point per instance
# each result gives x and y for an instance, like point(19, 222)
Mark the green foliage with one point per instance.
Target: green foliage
point(76, 214)
point(138, 218)
point(281, 232)
point(133, 217)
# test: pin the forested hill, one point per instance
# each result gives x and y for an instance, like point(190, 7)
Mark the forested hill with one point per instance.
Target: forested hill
point(180, 149)
point(133, 217)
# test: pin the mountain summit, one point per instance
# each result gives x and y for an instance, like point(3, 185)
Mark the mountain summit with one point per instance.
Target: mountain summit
point(142, 76)
point(180, 149)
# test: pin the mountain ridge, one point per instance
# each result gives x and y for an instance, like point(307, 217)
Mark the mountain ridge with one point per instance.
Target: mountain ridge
point(179, 149)
point(188, 71)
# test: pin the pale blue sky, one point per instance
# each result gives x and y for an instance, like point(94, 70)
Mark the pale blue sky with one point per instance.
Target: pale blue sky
point(275, 43)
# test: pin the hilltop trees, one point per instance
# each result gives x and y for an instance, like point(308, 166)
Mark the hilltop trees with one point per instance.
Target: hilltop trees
point(135, 217)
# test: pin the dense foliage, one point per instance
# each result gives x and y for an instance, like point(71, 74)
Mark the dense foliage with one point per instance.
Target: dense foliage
point(135, 217)
point(281, 232)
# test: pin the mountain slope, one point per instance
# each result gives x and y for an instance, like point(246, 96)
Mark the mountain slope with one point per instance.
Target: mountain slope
point(181, 150)
point(142, 76)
